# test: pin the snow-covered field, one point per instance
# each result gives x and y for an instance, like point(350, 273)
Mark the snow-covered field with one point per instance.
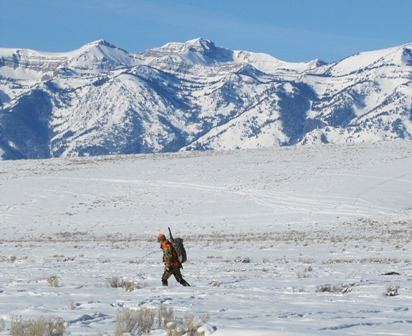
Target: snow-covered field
point(290, 241)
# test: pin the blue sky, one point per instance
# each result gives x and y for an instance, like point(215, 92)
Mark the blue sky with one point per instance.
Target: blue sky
point(291, 30)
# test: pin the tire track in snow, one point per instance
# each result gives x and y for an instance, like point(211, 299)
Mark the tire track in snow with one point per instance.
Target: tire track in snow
point(313, 203)
point(280, 202)
point(151, 183)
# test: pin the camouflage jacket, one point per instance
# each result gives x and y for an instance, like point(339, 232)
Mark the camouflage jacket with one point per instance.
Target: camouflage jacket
point(169, 254)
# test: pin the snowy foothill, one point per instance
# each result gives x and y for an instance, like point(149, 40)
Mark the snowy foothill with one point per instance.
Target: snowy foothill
point(312, 240)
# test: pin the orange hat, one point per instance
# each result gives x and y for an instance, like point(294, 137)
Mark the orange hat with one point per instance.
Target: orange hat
point(161, 236)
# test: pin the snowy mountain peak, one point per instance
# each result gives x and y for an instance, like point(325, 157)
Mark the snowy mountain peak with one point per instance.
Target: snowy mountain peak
point(198, 45)
point(99, 56)
point(198, 51)
point(100, 42)
point(100, 99)
point(271, 65)
point(397, 56)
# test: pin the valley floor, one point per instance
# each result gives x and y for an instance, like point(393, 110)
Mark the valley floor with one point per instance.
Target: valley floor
point(289, 241)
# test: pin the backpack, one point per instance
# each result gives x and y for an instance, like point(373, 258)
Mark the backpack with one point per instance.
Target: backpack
point(177, 244)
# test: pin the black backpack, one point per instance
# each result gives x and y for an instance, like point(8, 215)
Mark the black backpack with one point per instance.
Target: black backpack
point(177, 244)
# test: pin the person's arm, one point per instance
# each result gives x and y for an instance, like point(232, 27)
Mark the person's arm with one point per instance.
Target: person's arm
point(168, 257)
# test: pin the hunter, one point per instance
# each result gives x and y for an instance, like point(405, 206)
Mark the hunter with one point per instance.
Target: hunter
point(170, 259)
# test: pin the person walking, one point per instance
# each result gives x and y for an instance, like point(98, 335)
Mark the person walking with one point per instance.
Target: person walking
point(170, 259)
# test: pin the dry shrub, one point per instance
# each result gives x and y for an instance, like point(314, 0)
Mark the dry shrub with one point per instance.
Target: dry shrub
point(53, 281)
point(115, 282)
point(137, 321)
point(128, 285)
point(305, 272)
point(165, 316)
point(391, 290)
point(143, 320)
point(192, 325)
point(54, 326)
point(339, 289)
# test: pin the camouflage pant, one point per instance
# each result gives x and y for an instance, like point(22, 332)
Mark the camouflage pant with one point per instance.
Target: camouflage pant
point(172, 271)
point(176, 272)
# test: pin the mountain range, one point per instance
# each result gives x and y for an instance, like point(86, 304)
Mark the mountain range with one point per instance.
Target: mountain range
point(101, 99)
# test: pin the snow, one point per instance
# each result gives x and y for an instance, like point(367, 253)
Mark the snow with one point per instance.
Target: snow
point(29, 53)
point(33, 65)
point(267, 232)
point(20, 73)
point(100, 55)
point(203, 52)
point(366, 59)
point(271, 65)
point(207, 96)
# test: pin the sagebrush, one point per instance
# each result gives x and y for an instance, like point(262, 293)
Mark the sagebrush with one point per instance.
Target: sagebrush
point(144, 320)
point(54, 326)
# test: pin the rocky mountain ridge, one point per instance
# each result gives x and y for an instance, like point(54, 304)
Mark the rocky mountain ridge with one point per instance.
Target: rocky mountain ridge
point(101, 99)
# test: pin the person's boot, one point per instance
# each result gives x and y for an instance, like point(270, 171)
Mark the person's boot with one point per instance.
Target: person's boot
point(184, 283)
point(164, 283)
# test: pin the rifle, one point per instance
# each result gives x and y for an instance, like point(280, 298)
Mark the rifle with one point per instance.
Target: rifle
point(171, 236)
